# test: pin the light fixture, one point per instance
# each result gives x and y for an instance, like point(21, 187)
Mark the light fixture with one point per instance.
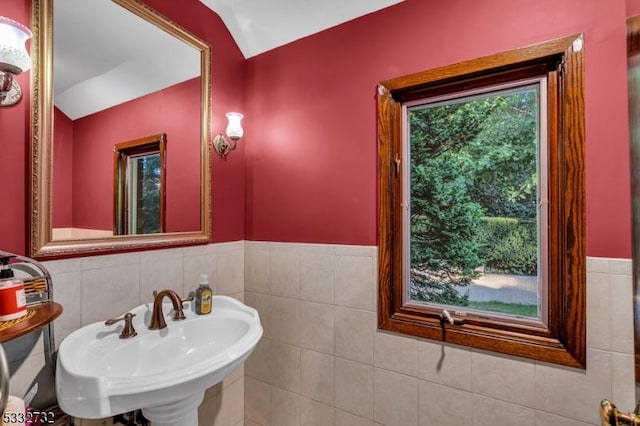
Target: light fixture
point(14, 59)
point(234, 132)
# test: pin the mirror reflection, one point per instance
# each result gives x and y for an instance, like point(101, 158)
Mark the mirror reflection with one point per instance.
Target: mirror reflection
point(139, 184)
point(117, 77)
point(108, 73)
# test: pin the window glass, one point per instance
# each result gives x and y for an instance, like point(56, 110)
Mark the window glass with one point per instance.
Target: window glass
point(139, 186)
point(474, 192)
point(144, 190)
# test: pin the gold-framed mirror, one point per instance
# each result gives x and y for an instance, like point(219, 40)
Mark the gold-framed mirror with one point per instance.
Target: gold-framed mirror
point(96, 84)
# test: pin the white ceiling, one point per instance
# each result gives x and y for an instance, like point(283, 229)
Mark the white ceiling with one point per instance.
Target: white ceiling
point(261, 25)
point(105, 55)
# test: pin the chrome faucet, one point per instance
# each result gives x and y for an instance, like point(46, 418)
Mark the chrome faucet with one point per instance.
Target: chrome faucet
point(157, 317)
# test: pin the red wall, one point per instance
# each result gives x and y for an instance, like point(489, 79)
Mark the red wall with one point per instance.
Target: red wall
point(228, 68)
point(63, 173)
point(171, 111)
point(310, 128)
point(228, 94)
point(14, 122)
point(311, 177)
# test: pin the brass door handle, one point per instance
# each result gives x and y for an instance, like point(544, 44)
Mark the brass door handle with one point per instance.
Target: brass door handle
point(611, 416)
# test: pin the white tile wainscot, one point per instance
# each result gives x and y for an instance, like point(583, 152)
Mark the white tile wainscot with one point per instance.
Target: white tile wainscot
point(333, 367)
point(322, 360)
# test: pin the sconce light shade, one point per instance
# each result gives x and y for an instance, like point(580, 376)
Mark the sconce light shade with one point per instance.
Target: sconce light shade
point(14, 57)
point(234, 128)
point(234, 133)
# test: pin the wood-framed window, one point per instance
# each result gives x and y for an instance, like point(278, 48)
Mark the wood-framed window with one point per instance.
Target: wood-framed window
point(139, 186)
point(481, 176)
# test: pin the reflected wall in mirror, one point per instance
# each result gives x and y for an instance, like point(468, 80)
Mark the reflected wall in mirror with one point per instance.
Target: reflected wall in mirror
point(105, 72)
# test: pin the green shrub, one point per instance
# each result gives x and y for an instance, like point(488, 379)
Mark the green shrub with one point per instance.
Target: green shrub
point(509, 245)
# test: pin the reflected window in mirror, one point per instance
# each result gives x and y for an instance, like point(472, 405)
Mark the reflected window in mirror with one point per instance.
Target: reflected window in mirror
point(139, 169)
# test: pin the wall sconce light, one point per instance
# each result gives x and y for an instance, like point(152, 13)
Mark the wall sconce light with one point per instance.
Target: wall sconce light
point(234, 132)
point(14, 59)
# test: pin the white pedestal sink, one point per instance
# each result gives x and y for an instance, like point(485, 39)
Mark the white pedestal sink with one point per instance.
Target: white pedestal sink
point(163, 372)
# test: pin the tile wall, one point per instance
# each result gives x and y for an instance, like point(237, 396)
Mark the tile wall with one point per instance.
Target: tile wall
point(323, 362)
point(101, 287)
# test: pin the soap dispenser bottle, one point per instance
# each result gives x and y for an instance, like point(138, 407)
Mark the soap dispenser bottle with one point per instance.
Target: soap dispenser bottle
point(13, 301)
point(204, 296)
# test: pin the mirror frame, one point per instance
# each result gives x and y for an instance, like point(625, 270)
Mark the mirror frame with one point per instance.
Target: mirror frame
point(41, 243)
point(633, 49)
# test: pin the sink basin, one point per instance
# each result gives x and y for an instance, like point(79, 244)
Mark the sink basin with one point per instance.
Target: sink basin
point(163, 372)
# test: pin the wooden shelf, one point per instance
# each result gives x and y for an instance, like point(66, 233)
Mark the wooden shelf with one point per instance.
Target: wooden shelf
point(45, 313)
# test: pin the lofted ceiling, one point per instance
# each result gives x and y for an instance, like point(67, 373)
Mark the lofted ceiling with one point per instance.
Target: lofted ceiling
point(261, 25)
point(103, 54)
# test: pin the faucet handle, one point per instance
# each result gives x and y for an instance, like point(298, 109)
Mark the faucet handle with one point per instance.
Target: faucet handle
point(190, 297)
point(127, 331)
